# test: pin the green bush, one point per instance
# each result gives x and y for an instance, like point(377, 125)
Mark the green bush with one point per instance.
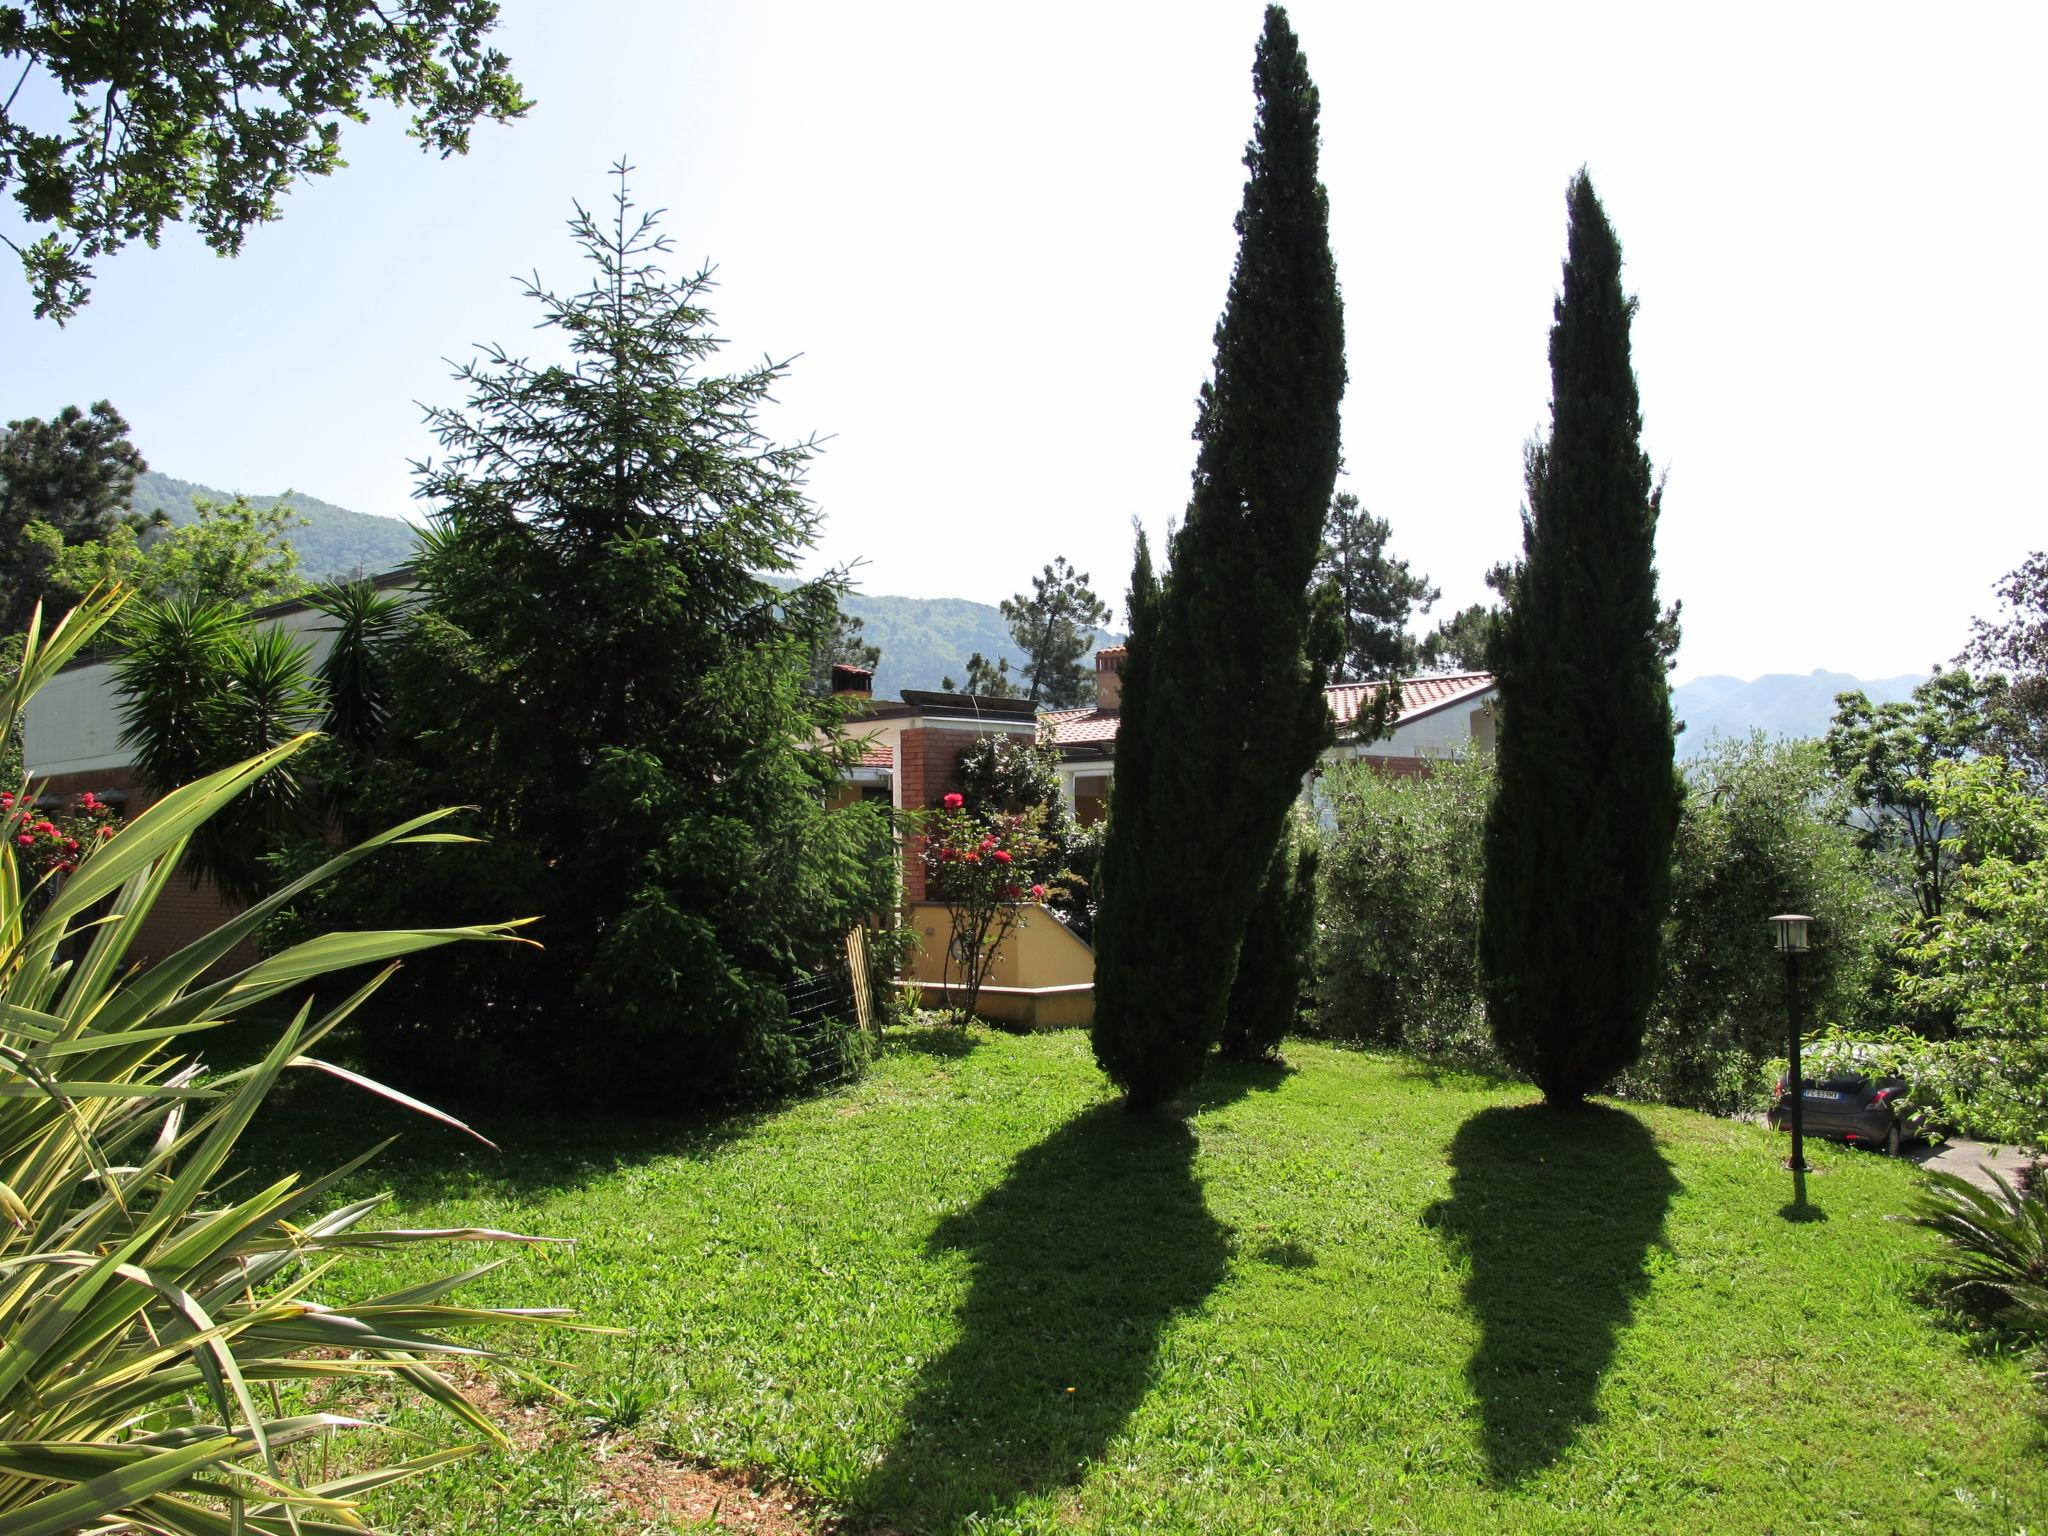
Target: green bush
point(1397, 942)
point(1763, 831)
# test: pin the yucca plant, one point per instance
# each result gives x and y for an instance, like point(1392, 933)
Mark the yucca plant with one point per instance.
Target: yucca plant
point(1995, 1254)
point(158, 1338)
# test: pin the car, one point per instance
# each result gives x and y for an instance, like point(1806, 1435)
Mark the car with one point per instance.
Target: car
point(1850, 1098)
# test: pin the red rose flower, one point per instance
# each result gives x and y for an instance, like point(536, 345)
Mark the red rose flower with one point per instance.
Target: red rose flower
point(26, 841)
point(105, 833)
point(1001, 855)
point(71, 845)
point(954, 802)
point(1038, 893)
point(46, 828)
point(971, 856)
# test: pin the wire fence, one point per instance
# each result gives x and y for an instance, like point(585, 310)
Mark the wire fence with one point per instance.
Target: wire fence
point(830, 1014)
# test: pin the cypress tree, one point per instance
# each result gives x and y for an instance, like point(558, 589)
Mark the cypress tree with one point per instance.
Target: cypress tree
point(1274, 960)
point(1578, 842)
point(1230, 648)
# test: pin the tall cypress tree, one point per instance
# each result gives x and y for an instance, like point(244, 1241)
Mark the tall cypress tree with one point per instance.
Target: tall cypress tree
point(1578, 842)
point(1230, 647)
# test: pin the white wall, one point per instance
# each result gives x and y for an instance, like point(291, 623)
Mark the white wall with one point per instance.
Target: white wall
point(74, 723)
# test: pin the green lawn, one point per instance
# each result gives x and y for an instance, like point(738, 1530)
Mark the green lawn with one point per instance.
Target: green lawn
point(969, 1294)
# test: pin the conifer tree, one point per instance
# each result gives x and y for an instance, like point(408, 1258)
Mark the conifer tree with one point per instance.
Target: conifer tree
point(1230, 647)
point(1578, 842)
point(1279, 940)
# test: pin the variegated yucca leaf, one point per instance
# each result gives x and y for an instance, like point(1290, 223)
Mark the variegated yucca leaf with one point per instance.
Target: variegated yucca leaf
point(154, 1331)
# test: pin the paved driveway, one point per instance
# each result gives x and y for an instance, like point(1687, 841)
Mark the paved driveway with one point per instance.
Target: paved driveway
point(1969, 1159)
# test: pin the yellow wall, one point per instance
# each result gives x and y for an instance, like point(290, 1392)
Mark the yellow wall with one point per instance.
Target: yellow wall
point(1039, 952)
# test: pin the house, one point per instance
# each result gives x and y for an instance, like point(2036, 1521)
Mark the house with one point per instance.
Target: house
point(1440, 717)
point(910, 754)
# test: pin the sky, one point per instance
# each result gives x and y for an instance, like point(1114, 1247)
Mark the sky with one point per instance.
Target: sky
point(992, 244)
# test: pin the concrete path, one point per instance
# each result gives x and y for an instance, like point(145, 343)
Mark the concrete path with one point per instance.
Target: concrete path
point(1958, 1155)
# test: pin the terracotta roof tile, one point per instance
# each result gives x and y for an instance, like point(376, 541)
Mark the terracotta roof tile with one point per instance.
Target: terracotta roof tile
point(874, 755)
point(1419, 695)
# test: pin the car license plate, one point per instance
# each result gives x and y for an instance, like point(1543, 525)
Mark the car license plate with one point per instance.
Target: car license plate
point(1822, 1093)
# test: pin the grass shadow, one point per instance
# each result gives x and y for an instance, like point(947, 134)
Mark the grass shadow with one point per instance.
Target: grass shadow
point(1097, 1237)
point(1225, 1082)
point(312, 1123)
point(1556, 1213)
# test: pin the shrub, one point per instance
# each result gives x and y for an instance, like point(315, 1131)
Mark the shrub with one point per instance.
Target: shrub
point(1397, 946)
point(1762, 831)
point(155, 1332)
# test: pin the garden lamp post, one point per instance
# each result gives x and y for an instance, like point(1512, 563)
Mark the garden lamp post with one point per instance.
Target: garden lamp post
point(1791, 930)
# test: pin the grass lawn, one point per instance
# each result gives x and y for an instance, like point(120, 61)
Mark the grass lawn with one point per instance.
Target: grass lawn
point(969, 1294)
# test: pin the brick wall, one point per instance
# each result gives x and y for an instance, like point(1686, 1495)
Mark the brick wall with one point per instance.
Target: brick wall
point(184, 911)
point(927, 769)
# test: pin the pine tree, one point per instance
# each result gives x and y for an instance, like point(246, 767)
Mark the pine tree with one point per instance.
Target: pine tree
point(1054, 625)
point(1578, 842)
point(1377, 593)
point(1230, 648)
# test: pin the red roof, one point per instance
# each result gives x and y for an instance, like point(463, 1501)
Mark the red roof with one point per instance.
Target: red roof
point(874, 755)
point(1419, 696)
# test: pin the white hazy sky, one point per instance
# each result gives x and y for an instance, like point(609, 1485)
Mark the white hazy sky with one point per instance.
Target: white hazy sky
point(996, 241)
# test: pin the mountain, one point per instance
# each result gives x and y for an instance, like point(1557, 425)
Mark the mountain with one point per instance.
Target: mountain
point(923, 639)
point(1779, 704)
point(926, 639)
point(335, 542)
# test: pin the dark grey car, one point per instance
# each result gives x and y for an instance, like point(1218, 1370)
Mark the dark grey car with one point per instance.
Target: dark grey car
point(1846, 1103)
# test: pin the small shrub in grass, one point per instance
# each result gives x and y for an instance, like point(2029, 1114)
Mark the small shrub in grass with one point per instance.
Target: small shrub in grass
point(157, 1333)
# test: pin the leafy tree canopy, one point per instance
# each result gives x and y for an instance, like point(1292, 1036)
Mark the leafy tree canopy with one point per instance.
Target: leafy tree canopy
point(73, 473)
point(1054, 625)
point(1223, 690)
point(232, 552)
point(193, 111)
point(1886, 754)
point(2015, 646)
point(604, 667)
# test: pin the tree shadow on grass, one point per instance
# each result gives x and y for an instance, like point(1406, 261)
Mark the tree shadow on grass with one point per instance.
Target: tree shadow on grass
point(1095, 1239)
point(1556, 1213)
point(314, 1123)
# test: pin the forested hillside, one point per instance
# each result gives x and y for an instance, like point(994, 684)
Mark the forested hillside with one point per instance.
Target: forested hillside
point(335, 542)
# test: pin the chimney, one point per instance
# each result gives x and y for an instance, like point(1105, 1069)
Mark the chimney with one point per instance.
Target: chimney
point(852, 682)
point(1109, 679)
